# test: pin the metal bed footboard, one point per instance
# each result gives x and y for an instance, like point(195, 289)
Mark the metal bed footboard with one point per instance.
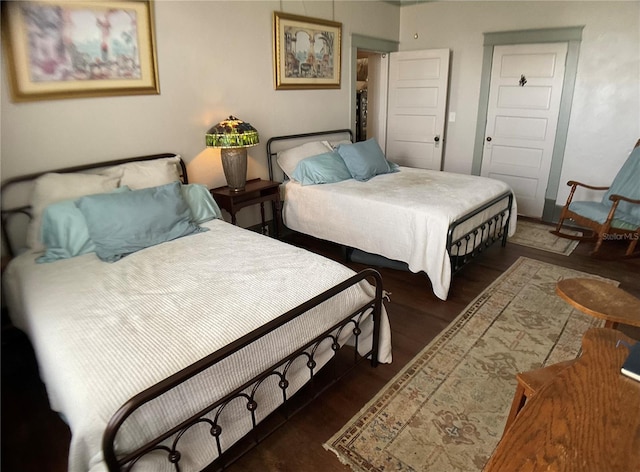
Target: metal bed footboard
point(169, 442)
point(473, 242)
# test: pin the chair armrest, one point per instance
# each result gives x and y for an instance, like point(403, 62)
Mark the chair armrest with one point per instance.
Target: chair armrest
point(615, 198)
point(574, 183)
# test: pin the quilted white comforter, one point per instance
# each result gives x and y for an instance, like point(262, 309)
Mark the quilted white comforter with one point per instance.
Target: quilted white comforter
point(402, 216)
point(103, 332)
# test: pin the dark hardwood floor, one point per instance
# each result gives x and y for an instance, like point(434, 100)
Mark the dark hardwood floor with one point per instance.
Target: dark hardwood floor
point(34, 439)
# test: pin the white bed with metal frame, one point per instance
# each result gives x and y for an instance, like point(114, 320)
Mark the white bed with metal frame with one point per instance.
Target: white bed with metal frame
point(433, 221)
point(165, 358)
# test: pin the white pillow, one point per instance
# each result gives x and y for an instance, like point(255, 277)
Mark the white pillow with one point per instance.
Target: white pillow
point(288, 159)
point(146, 174)
point(52, 188)
point(334, 144)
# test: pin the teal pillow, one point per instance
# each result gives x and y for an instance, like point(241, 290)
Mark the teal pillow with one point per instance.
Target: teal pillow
point(203, 207)
point(324, 168)
point(123, 223)
point(365, 159)
point(64, 231)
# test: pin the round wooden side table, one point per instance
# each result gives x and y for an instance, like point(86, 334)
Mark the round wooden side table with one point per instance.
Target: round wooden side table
point(601, 300)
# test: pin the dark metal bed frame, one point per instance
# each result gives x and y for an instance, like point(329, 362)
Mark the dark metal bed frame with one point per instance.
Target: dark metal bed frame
point(169, 442)
point(482, 236)
point(469, 245)
point(279, 371)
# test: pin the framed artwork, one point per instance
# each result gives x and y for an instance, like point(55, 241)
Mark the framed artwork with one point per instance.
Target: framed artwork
point(69, 49)
point(306, 52)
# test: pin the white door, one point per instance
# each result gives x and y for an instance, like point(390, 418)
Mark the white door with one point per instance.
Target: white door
point(522, 116)
point(417, 102)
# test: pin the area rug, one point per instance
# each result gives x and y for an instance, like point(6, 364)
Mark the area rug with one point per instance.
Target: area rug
point(537, 236)
point(446, 410)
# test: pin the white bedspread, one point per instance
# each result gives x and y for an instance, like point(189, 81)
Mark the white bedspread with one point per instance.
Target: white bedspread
point(402, 216)
point(95, 326)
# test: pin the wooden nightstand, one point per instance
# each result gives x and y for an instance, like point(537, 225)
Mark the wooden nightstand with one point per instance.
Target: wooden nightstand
point(256, 191)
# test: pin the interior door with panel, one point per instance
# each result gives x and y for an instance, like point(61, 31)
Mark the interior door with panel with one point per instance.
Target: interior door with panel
point(522, 117)
point(417, 103)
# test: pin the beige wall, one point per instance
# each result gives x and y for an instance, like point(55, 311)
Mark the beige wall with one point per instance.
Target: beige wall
point(214, 59)
point(605, 119)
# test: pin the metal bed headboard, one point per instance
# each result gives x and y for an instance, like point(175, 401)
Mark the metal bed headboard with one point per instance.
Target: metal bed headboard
point(281, 143)
point(15, 213)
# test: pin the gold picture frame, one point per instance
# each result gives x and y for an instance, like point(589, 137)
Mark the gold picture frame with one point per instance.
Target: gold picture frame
point(306, 52)
point(68, 49)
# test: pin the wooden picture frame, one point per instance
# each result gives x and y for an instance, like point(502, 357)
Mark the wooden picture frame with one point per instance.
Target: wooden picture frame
point(306, 52)
point(69, 49)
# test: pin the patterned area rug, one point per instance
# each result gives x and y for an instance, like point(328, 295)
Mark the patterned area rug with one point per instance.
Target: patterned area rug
point(446, 410)
point(537, 236)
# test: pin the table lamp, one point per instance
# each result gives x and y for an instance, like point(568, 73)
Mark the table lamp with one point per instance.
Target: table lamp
point(233, 136)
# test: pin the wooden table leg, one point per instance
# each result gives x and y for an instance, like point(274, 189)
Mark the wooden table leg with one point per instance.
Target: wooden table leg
point(519, 399)
point(277, 218)
point(262, 217)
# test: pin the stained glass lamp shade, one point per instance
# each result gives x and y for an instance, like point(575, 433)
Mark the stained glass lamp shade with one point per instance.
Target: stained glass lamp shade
point(233, 136)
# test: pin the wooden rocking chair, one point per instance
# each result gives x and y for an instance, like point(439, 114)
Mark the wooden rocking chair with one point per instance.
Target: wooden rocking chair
point(616, 216)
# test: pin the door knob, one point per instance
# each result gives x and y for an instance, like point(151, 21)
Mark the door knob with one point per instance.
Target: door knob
point(436, 139)
point(488, 139)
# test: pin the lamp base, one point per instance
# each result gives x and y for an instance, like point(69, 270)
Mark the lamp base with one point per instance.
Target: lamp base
point(234, 165)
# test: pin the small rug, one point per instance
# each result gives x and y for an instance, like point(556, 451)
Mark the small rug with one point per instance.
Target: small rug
point(537, 236)
point(446, 410)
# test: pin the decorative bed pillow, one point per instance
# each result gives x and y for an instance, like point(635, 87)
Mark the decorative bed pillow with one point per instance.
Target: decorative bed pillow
point(288, 159)
point(123, 223)
point(365, 159)
point(64, 231)
point(324, 168)
point(203, 207)
point(146, 174)
point(51, 188)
